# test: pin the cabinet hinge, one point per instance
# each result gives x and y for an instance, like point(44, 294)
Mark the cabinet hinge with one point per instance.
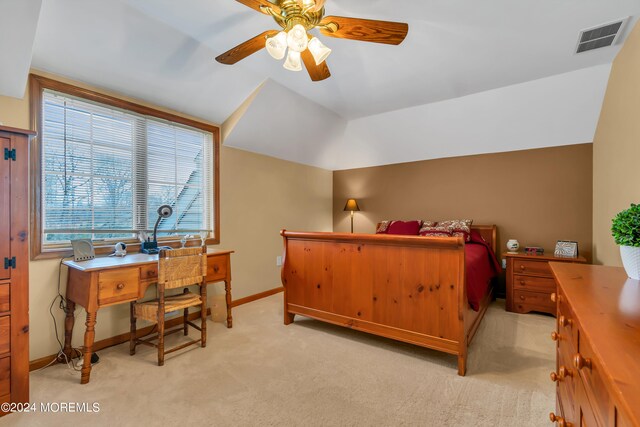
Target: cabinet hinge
point(9, 263)
point(10, 154)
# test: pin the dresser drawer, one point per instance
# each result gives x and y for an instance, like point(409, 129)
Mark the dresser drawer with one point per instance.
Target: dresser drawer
point(149, 272)
point(4, 297)
point(567, 327)
point(566, 389)
point(5, 333)
point(590, 371)
point(525, 302)
point(216, 268)
point(5, 376)
point(540, 268)
point(116, 286)
point(534, 283)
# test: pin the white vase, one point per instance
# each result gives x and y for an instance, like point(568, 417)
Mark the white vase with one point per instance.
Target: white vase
point(631, 261)
point(513, 246)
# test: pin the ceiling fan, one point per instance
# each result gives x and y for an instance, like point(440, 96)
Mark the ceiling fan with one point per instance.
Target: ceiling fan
point(297, 18)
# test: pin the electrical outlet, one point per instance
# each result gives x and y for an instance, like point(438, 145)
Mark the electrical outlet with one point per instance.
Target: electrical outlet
point(279, 261)
point(504, 263)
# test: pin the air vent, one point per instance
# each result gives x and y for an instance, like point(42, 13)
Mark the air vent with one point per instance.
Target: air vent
point(601, 36)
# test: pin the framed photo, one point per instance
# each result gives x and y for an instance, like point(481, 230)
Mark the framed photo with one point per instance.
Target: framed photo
point(567, 249)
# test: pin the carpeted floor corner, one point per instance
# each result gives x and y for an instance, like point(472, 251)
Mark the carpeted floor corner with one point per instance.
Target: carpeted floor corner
point(262, 373)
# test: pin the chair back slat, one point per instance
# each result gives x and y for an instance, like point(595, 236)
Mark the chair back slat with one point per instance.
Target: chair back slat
point(182, 267)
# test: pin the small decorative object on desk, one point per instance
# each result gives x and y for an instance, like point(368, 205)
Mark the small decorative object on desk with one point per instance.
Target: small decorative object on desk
point(626, 232)
point(566, 248)
point(120, 249)
point(83, 250)
point(513, 245)
point(534, 250)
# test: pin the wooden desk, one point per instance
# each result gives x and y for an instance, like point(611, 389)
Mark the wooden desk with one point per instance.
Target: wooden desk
point(106, 281)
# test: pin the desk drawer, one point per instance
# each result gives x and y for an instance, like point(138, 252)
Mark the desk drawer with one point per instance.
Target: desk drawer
point(540, 268)
point(5, 333)
point(5, 376)
point(149, 272)
point(116, 286)
point(4, 298)
point(533, 283)
point(216, 268)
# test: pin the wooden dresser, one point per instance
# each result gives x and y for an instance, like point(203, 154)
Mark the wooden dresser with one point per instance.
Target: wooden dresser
point(14, 265)
point(598, 347)
point(530, 282)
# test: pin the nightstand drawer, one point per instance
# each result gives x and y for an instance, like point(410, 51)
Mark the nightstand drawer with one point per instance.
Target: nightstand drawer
point(533, 283)
point(525, 302)
point(540, 268)
point(116, 286)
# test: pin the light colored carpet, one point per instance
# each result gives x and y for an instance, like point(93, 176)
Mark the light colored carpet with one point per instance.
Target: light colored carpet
point(310, 373)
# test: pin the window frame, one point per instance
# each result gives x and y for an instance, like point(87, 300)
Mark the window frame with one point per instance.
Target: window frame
point(37, 84)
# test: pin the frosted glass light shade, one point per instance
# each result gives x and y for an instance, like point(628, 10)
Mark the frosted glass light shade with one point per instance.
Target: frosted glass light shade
point(293, 61)
point(277, 45)
point(319, 51)
point(297, 38)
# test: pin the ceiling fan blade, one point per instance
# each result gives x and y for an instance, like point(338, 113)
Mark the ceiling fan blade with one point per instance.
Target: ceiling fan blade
point(255, 5)
point(316, 72)
point(366, 30)
point(245, 49)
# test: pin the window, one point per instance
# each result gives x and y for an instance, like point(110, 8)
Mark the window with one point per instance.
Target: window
point(104, 166)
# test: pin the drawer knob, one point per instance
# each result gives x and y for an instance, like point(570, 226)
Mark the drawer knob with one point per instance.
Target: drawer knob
point(522, 267)
point(554, 377)
point(564, 321)
point(151, 273)
point(555, 336)
point(561, 422)
point(216, 268)
point(562, 374)
point(120, 286)
point(522, 297)
point(581, 362)
point(522, 282)
point(554, 297)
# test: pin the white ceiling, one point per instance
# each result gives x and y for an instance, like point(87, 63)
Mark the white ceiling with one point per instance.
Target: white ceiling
point(162, 51)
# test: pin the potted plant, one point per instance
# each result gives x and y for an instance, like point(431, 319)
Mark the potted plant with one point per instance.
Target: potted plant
point(626, 232)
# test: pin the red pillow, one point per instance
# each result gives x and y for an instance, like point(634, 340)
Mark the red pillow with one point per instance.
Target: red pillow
point(407, 228)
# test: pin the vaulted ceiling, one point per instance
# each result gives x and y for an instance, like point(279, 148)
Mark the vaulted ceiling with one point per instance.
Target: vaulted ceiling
point(465, 64)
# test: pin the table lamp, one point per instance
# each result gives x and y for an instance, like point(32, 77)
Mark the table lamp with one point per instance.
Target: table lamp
point(352, 205)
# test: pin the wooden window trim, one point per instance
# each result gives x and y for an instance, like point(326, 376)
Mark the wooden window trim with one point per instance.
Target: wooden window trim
point(36, 86)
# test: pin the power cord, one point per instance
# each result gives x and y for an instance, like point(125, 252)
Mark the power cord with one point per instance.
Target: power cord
point(62, 305)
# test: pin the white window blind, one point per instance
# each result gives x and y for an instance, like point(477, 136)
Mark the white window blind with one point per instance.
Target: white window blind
point(106, 171)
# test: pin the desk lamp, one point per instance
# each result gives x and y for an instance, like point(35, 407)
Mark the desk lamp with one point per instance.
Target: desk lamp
point(164, 212)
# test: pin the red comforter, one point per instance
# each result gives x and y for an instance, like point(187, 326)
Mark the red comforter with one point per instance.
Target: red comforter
point(482, 266)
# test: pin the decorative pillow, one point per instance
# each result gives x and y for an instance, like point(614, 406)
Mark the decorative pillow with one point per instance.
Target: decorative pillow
point(458, 227)
point(407, 228)
point(435, 231)
point(383, 226)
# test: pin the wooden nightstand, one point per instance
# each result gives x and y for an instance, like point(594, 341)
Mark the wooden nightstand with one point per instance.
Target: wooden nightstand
point(530, 282)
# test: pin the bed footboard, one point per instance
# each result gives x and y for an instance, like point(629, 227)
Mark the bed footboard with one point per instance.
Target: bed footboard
point(407, 288)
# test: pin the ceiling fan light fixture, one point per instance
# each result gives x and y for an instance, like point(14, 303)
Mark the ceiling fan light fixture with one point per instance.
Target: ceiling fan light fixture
point(319, 51)
point(277, 45)
point(297, 38)
point(293, 62)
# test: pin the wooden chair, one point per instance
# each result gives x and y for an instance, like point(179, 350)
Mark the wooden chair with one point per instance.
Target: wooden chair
point(176, 268)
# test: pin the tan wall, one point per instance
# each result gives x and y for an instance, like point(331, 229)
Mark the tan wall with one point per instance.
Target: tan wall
point(616, 149)
point(535, 196)
point(259, 196)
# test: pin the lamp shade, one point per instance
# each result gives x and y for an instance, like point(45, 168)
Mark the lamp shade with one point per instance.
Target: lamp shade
point(277, 45)
point(352, 205)
point(297, 38)
point(319, 51)
point(293, 61)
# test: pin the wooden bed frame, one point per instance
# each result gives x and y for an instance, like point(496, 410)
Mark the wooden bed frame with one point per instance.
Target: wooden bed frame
point(408, 288)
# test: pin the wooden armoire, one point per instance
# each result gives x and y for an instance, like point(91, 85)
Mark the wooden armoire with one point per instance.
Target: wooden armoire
point(14, 265)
